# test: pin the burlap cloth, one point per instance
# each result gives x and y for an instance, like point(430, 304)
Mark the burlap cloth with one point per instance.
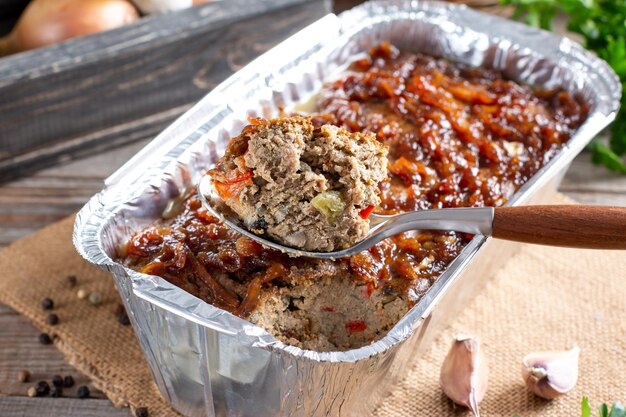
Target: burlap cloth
point(545, 298)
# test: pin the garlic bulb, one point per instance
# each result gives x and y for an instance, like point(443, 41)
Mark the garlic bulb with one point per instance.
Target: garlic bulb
point(551, 374)
point(465, 372)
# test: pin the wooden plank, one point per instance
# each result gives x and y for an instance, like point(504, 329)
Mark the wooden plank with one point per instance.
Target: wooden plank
point(597, 198)
point(32, 202)
point(88, 144)
point(59, 407)
point(20, 349)
point(592, 184)
point(583, 176)
point(73, 94)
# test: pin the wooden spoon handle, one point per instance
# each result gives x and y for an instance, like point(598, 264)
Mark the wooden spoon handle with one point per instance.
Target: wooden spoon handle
point(594, 227)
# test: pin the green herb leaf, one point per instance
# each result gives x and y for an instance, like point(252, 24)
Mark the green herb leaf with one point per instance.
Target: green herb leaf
point(618, 410)
point(585, 408)
point(602, 154)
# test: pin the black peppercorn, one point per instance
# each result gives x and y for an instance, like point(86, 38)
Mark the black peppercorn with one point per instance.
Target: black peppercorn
point(71, 280)
point(68, 381)
point(119, 309)
point(42, 388)
point(82, 392)
point(260, 225)
point(47, 304)
point(57, 381)
point(52, 319)
point(42, 384)
point(123, 319)
point(56, 392)
point(141, 412)
point(45, 339)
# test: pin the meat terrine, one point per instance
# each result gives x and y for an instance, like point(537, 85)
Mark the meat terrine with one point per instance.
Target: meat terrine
point(304, 186)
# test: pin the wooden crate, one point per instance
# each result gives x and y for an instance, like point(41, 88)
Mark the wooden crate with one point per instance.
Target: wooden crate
point(87, 94)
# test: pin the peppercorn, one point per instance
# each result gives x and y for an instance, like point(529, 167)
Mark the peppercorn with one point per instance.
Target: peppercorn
point(71, 280)
point(56, 392)
point(57, 381)
point(119, 309)
point(82, 392)
point(141, 412)
point(31, 392)
point(43, 388)
point(23, 376)
point(47, 304)
point(123, 319)
point(95, 298)
point(52, 319)
point(68, 381)
point(44, 339)
point(82, 294)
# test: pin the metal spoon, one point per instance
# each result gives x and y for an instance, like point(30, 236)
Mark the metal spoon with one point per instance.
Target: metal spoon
point(593, 227)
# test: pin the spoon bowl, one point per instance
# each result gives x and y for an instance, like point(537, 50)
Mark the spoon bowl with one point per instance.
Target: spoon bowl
point(469, 220)
point(592, 227)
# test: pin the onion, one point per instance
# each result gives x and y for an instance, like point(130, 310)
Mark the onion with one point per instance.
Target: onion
point(164, 6)
point(45, 22)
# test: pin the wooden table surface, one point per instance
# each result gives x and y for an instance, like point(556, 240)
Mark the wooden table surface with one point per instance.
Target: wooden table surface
point(30, 203)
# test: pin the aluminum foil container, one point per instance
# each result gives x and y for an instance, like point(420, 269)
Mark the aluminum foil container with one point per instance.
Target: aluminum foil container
point(206, 361)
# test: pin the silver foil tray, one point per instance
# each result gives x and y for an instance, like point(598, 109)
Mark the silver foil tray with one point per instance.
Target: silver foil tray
point(208, 362)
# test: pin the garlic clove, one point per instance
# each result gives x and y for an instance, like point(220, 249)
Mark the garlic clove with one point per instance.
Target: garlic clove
point(464, 373)
point(551, 374)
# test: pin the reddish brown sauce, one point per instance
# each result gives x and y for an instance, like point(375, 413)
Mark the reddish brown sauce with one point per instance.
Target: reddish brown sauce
point(457, 136)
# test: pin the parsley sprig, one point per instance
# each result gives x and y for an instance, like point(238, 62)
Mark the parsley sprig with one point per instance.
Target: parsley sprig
point(602, 26)
point(617, 410)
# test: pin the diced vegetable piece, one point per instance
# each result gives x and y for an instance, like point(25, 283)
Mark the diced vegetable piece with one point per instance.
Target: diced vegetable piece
point(355, 326)
point(234, 185)
point(329, 203)
point(365, 213)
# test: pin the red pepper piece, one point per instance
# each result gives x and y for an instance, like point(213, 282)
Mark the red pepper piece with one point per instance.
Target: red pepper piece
point(365, 213)
point(367, 290)
point(355, 326)
point(233, 185)
point(238, 176)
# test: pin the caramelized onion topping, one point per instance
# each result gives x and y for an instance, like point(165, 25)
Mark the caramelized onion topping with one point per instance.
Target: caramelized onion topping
point(457, 136)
